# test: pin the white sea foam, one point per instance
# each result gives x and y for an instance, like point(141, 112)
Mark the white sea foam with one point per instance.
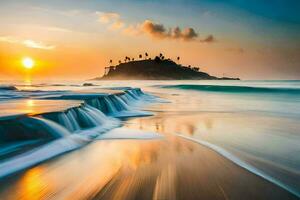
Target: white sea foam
point(75, 126)
point(126, 133)
point(42, 153)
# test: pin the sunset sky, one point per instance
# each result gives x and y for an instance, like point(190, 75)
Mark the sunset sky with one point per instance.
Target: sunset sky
point(257, 39)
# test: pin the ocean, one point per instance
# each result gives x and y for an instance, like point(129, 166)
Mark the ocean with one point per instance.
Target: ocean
point(254, 124)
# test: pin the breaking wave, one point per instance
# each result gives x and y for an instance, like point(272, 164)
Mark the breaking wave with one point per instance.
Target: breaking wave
point(30, 138)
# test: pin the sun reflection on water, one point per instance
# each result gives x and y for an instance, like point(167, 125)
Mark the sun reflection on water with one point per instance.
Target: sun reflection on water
point(32, 185)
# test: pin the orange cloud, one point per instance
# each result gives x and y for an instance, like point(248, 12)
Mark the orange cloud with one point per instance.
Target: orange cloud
point(37, 45)
point(209, 39)
point(150, 28)
point(118, 24)
point(159, 31)
point(27, 43)
point(107, 17)
point(111, 18)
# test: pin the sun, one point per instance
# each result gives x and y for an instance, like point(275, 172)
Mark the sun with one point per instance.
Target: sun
point(27, 62)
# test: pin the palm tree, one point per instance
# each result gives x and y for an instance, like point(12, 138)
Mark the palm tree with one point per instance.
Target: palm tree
point(157, 59)
point(178, 58)
point(126, 58)
point(140, 56)
point(160, 55)
point(110, 62)
point(146, 55)
point(196, 69)
point(132, 59)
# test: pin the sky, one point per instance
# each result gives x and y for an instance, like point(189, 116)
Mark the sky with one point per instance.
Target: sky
point(72, 39)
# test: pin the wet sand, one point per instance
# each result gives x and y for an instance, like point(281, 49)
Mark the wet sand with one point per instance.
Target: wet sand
point(180, 169)
point(171, 168)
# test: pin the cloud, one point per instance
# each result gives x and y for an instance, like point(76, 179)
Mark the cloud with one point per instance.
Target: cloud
point(159, 31)
point(108, 17)
point(132, 30)
point(111, 18)
point(37, 45)
point(27, 43)
point(208, 39)
point(188, 34)
point(116, 25)
point(151, 29)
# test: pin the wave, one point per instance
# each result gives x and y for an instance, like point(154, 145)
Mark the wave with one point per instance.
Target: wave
point(234, 89)
point(30, 138)
point(8, 87)
point(42, 153)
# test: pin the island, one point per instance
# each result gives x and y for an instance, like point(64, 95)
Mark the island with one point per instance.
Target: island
point(155, 69)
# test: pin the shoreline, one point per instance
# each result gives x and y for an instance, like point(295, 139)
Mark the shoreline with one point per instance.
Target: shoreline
point(175, 167)
point(172, 168)
point(242, 164)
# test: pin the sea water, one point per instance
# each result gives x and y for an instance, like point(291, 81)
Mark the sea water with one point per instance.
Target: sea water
point(253, 123)
point(41, 121)
point(256, 124)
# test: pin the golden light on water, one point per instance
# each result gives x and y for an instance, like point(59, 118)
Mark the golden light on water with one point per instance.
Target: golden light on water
point(28, 62)
point(30, 103)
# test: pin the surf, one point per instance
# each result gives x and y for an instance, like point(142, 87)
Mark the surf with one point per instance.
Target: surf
point(53, 123)
point(234, 89)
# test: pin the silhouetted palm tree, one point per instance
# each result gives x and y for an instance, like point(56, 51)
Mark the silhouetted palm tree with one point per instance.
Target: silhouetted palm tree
point(178, 58)
point(140, 56)
point(126, 58)
point(132, 59)
point(157, 59)
point(110, 62)
point(146, 55)
point(160, 55)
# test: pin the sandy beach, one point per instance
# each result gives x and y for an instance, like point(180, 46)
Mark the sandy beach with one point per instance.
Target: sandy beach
point(171, 168)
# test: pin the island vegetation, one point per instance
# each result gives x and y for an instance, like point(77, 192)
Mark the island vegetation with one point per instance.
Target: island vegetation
point(157, 68)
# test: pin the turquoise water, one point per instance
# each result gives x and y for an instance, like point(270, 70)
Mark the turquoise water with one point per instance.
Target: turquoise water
point(256, 121)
